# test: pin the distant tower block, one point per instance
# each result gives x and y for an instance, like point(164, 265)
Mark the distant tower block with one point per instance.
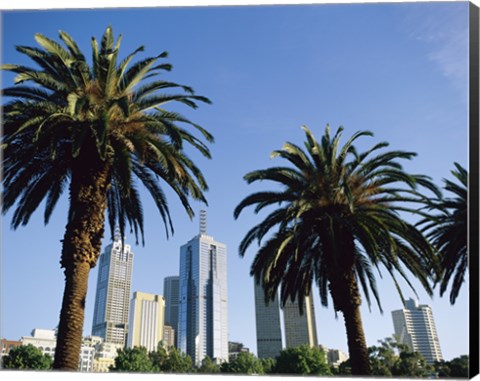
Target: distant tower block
point(203, 222)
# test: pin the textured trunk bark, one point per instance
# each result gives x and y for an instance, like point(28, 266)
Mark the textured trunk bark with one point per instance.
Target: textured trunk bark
point(81, 249)
point(346, 297)
point(357, 346)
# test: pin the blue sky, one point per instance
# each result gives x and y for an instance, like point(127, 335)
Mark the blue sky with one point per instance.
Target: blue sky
point(398, 70)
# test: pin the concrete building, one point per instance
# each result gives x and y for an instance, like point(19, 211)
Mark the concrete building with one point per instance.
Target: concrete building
point(203, 320)
point(46, 341)
point(269, 331)
point(168, 336)
point(171, 293)
point(415, 327)
point(146, 321)
point(112, 300)
point(105, 356)
point(8, 345)
point(234, 349)
point(335, 357)
point(300, 328)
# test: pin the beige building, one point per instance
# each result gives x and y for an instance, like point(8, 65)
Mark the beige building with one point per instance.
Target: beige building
point(146, 323)
point(168, 336)
point(105, 356)
point(300, 329)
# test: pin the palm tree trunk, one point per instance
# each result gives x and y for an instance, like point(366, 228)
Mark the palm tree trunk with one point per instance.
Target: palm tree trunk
point(357, 346)
point(81, 249)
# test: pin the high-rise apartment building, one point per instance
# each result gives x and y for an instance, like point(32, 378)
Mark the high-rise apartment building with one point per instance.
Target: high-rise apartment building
point(269, 331)
point(415, 327)
point(300, 329)
point(171, 293)
point(112, 300)
point(202, 325)
point(145, 326)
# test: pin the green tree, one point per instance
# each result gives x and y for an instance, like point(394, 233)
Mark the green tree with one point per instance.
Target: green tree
point(303, 360)
point(208, 366)
point(459, 366)
point(178, 362)
point(394, 359)
point(447, 231)
point(158, 358)
point(27, 357)
point(338, 218)
point(101, 131)
point(456, 368)
point(244, 363)
point(268, 365)
point(132, 360)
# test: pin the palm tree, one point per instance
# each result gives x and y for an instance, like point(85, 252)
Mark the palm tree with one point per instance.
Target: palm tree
point(337, 219)
point(447, 231)
point(101, 130)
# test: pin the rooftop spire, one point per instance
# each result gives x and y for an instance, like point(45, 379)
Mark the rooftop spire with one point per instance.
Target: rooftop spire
point(117, 236)
point(203, 222)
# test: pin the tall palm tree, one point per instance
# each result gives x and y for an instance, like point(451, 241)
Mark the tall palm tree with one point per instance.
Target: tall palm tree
point(337, 218)
point(101, 130)
point(447, 231)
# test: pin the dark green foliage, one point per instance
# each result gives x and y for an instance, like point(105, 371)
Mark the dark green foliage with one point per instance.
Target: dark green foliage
point(244, 363)
point(447, 230)
point(455, 368)
point(268, 365)
point(132, 360)
point(158, 361)
point(334, 219)
point(393, 359)
point(27, 357)
point(208, 366)
point(303, 360)
point(177, 362)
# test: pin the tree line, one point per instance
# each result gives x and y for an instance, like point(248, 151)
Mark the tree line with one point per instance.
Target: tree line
point(389, 359)
point(99, 129)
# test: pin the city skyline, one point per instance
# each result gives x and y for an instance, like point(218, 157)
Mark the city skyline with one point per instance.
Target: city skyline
point(399, 70)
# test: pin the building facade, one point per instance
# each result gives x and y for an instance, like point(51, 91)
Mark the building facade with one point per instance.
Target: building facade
point(168, 336)
point(112, 300)
point(171, 293)
point(269, 331)
point(8, 345)
point(203, 320)
point(415, 327)
point(46, 341)
point(145, 328)
point(300, 329)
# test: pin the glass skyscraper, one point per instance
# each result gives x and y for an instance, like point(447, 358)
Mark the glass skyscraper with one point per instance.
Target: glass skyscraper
point(202, 325)
point(269, 331)
point(112, 300)
point(415, 327)
point(171, 291)
point(300, 329)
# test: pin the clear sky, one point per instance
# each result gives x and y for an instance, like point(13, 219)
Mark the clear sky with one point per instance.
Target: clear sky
point(399, 70)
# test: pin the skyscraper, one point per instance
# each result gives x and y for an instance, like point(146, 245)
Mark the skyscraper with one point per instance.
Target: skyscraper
point(269, 331)
point(112, 300)
point(202, 325)
point(146, 321)
point(171, 294)
point(300, 329)
point(415, 327)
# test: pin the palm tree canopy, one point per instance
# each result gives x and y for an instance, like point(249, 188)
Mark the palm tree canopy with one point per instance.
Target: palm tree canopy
point(336, 209)
point(447, 230)
point(67, 106)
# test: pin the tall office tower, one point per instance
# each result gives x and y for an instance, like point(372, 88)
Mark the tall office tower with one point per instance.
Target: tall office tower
point(415, 327)
point(112, 300)
point(300, 329)
point(202, 325)
point(171, 295)
point(145, 326)
point(269, 331)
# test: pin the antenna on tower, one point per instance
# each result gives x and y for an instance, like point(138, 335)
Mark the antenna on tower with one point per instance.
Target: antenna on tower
point(203, 222)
